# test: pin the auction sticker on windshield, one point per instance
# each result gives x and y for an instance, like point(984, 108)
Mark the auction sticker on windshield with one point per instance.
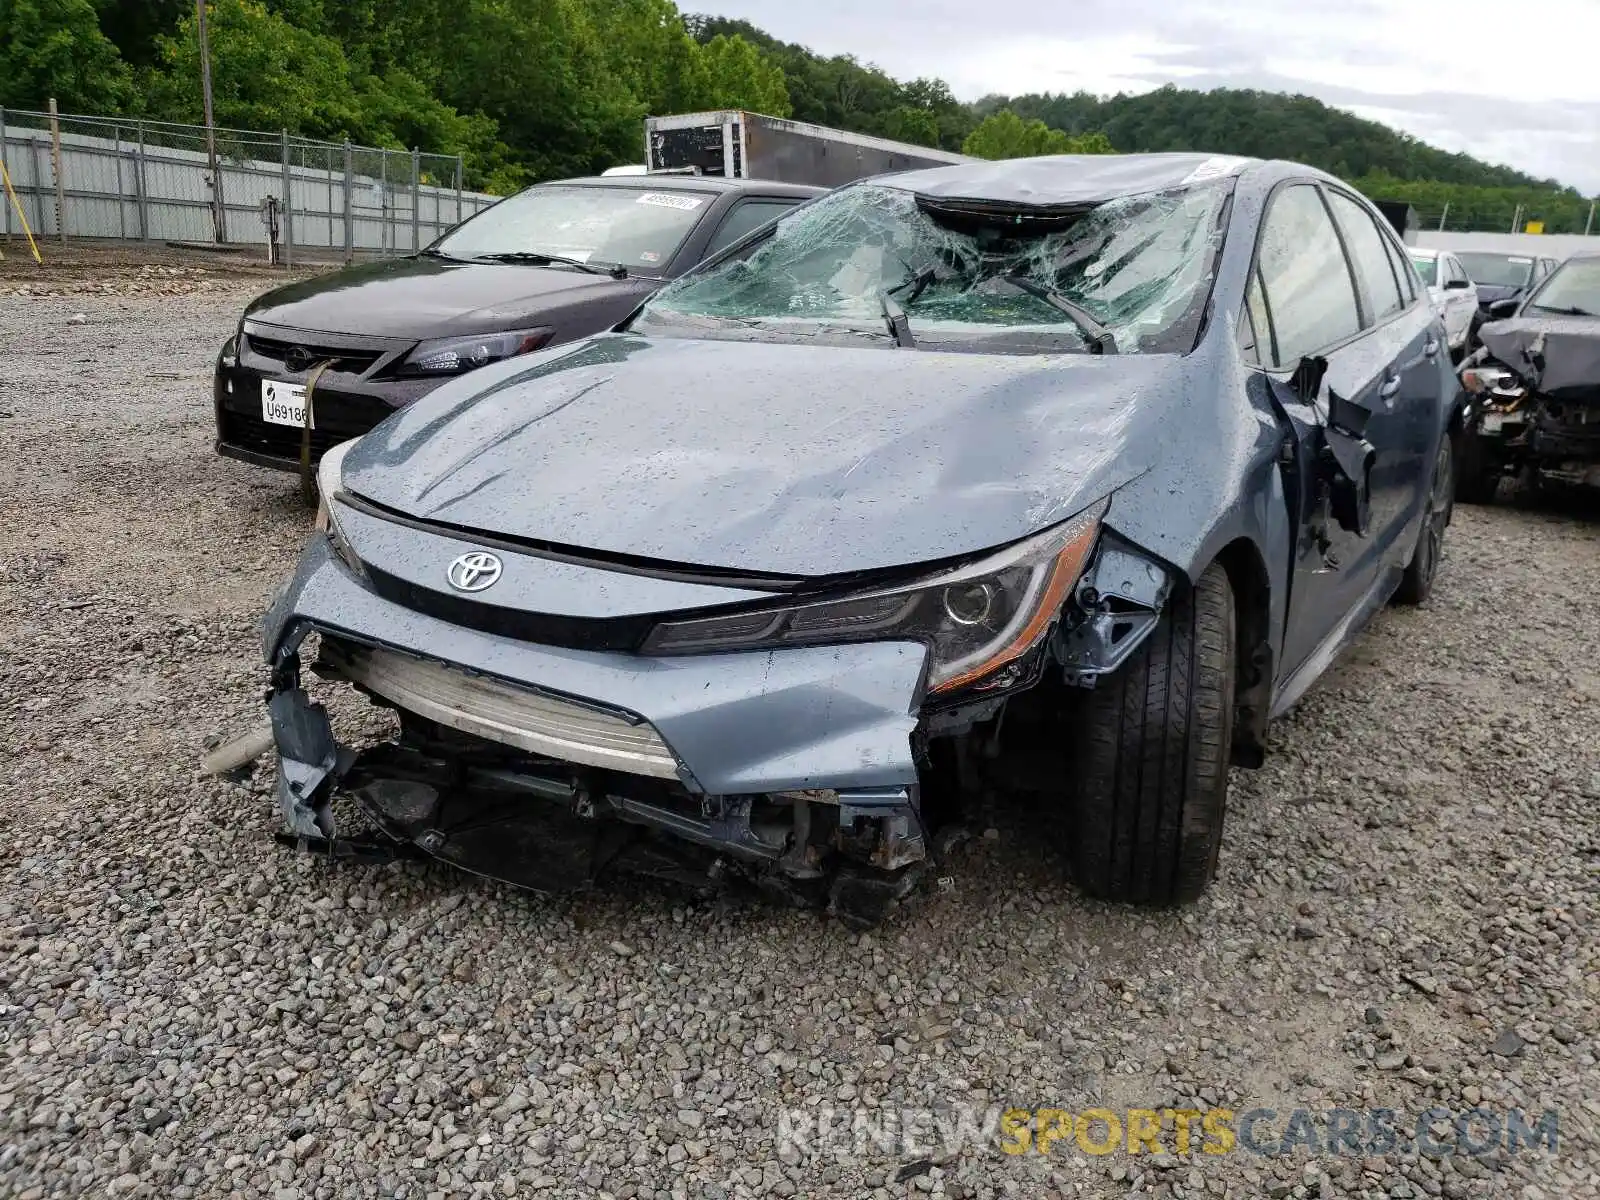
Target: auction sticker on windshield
point(283, 403)
point(667, 200)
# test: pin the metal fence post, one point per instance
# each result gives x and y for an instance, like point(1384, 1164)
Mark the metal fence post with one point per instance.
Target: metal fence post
point(1588, 226)
point(458, 189)
point(288, 204)
point(5, 203)
point(122, 195)
point(416, 200)
point(383, 203)
point(55, 169)
point(38, 185)
point(349, 205)
point(138, 187)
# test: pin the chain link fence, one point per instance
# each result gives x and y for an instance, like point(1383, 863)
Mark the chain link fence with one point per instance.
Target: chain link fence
point(1508, 217)
point(101, 177)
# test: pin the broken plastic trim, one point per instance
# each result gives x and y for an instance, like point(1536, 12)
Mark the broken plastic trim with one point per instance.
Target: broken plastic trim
point(1121, 596)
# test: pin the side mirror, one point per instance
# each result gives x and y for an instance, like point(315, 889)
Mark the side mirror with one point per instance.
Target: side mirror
point(1457, 285)
point(1502, 309)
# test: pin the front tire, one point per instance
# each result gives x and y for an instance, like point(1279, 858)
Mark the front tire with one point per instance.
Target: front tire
point(1417, 583)
point(1149, 789)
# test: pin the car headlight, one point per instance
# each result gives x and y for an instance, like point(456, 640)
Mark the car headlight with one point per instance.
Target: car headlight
point(1493, 382)
point(454, 356)
point(975, 619)
point(329, 485)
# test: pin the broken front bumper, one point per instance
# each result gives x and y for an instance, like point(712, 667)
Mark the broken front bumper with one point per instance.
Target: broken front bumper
point(777, 761)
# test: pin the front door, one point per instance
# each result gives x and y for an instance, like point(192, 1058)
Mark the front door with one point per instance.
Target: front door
point(1337, 349)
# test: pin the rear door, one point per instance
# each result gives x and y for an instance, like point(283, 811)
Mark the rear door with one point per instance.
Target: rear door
point(1403, 421)
point(1338, 374)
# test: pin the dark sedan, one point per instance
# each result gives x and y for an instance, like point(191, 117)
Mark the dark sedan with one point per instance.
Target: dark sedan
point(324, 360)
point(1503, 281)
point(1052, 479)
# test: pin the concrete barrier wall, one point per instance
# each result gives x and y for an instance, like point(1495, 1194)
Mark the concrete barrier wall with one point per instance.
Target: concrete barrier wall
point(1554, 245)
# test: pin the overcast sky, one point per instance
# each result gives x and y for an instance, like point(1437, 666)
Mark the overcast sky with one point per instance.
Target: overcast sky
point(1508, 82)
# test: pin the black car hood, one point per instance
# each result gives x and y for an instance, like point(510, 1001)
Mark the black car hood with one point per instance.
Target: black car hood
point(1490, 293)
point(436, 297)
point(1556, 355)
point(782, 459)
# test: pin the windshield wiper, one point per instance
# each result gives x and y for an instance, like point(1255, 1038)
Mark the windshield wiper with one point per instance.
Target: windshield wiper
point(545, 260)
point(899, 325)
point(430, 252)
point(1569, 310)
point(917, 282)
point(1104, 340)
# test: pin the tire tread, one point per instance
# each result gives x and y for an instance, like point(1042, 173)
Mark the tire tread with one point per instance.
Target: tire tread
point(1147, 794)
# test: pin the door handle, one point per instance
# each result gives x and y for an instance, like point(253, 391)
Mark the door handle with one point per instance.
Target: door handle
point(1432, 347)
point(1390, 387)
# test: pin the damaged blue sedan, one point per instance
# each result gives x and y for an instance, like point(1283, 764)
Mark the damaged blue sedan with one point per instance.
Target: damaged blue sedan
point(1049, 480)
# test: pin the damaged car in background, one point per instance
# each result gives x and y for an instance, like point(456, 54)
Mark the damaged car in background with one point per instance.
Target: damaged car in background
point(1044, 482)
point(1533, 389)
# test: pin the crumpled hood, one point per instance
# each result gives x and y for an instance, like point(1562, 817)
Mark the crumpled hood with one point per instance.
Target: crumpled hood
point(435, 297)
point(782, 459)
point(1557, 355)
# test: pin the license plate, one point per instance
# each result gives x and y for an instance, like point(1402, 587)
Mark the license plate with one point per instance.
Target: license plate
point(284, 403)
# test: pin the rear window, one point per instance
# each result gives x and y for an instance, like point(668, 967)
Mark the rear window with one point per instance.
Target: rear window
point(608, 226)
point(1496, 270)
point(1428, 268)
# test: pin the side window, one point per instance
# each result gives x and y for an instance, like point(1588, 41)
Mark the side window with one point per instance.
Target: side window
point(1305, 281)
point(1371, 260)
point(1404, 270)
point(744, 217)
point(1259, 322)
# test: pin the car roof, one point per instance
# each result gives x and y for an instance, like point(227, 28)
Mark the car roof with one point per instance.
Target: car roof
point(1425, 252)
point(1066, 179)
point(690, 183)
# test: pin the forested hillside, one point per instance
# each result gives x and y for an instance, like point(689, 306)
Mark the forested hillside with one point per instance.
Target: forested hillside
point(529, 89)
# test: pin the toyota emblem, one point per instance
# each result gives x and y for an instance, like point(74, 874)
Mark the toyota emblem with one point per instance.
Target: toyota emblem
point(474, 571)
point(297, 358)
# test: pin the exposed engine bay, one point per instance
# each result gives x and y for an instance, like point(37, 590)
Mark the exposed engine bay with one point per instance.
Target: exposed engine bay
point(1535, 391)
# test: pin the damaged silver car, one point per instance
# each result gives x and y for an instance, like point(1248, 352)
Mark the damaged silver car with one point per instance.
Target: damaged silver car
point(1046, 482)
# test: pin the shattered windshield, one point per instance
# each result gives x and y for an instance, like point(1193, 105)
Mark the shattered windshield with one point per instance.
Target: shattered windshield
point(1127, 275)
point(1428, 268)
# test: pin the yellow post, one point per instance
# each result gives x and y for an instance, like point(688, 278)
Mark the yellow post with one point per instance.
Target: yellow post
point(5, 176)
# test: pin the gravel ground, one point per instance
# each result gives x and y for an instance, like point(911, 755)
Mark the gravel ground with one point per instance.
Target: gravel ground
point(1404, 916)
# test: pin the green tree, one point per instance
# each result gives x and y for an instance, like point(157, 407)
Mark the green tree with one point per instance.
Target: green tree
point(916, 125)
point(266, 74)
point(1006, 135)
point(55, 48)
point(134, 25)
point(729, 72)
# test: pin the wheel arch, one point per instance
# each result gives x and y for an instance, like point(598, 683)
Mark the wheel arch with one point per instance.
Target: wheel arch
point(1246, 568)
